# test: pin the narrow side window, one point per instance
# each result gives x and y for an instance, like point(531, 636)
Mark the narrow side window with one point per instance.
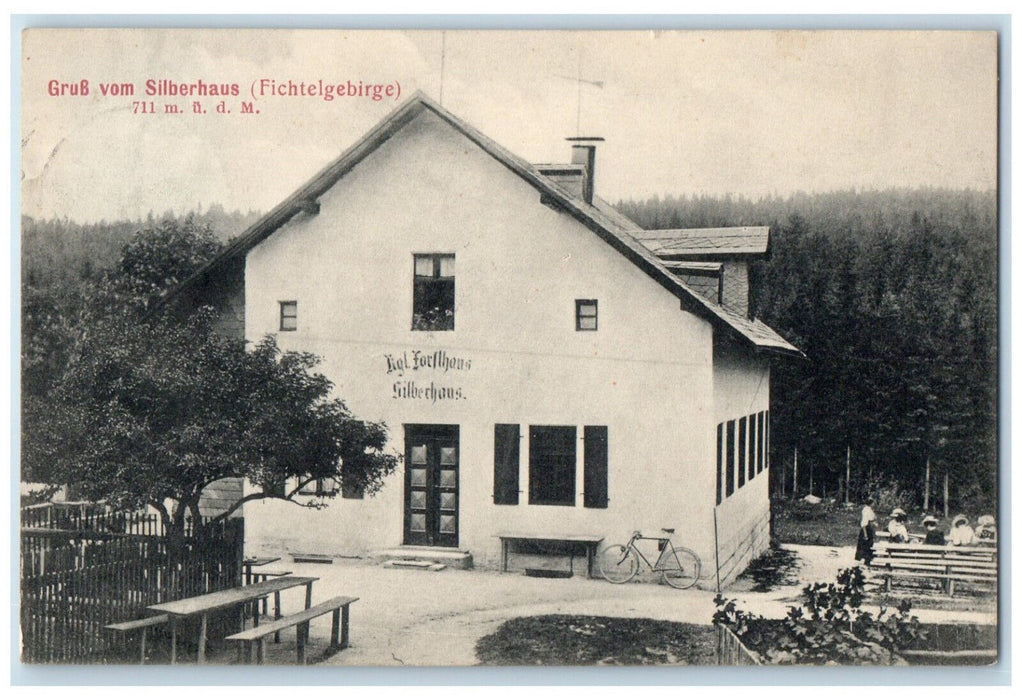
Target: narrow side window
point(585, 315)
point(289, 315)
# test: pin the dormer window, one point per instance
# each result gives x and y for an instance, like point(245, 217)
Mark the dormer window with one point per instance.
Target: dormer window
point(433, 293)
point(585, 314)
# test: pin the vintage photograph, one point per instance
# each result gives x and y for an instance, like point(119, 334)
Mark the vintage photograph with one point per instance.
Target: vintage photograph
point(509, 348)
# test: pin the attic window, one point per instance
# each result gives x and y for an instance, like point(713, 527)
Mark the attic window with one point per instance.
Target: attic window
point(289, 315)
point(433, 301)
point(585, 314)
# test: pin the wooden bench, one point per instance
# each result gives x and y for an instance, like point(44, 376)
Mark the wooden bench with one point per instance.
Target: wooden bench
point(141, 624)
point(300, 621)
point(946, 564)
point(590, 542)
point(202, 606)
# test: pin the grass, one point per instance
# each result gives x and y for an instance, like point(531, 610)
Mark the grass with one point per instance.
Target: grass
point(825, 524)
point(832, 524)
point(582, 640)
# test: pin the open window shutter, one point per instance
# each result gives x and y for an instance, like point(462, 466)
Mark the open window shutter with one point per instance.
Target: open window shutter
point(720, 463)
point(595, 466)
point(505, 464)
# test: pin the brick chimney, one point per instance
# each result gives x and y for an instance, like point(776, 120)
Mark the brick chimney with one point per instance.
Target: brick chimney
point(583, 152)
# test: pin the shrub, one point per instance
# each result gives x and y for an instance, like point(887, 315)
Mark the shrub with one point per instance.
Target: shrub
point(888, 495)
point(830, 628)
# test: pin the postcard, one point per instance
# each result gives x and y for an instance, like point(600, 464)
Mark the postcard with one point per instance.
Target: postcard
point(509, 348)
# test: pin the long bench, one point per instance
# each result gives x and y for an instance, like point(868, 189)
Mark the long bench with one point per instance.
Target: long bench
point(588, 542)
point(946, 564)
point(256, 636)
point(141, 624)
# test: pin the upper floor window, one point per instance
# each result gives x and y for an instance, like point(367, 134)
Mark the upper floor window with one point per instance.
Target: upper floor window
point(289, 315)
point(585, 314)
point(433, 294)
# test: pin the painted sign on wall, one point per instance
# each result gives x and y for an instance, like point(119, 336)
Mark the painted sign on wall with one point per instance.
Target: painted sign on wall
point(438, 366)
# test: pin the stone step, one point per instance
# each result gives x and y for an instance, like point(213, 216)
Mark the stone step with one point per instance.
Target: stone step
point(454, 558)
point(413, 564)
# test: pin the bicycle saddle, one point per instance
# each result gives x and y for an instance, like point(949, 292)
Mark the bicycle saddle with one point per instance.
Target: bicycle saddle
point(668, 530)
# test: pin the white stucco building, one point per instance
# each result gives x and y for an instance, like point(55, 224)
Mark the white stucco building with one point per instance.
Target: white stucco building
point(544, 365)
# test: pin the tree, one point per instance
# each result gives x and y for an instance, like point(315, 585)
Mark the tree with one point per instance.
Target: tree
point(149, 410)
point(893, 296)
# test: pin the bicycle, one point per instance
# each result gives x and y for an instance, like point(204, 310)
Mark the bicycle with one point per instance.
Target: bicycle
point(678, 566)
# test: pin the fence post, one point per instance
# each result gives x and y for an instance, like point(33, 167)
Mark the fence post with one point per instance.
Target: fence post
point(119, 573)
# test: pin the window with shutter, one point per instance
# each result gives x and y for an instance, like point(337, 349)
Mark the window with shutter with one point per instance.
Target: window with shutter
point(753, 447)
point(595, 466)
point(552, 452)
point(506, 438)
point(761, 453)
point(730, 457)
point(741, 452)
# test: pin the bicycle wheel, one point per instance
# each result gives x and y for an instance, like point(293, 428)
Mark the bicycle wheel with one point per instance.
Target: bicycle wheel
point(618, 563)
point(680, 568)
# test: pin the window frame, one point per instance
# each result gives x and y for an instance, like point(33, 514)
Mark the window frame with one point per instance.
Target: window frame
point(316, 488)
point(742, 449)
point(538, 497)
point(418, 322)
point(293, 303)
point(579, 316)
point(730, 441)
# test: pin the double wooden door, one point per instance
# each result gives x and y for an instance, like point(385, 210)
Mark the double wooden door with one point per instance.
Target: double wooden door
point(431, 485)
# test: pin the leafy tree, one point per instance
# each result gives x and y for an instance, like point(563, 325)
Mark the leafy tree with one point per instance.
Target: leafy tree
point(149, 410)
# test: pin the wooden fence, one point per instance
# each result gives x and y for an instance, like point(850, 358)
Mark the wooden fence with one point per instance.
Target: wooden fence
point(731, 651)
point(109, 567)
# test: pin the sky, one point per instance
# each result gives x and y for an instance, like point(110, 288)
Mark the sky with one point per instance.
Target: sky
point(749, 113)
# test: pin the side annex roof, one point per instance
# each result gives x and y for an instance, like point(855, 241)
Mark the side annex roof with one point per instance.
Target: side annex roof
point(610, 225)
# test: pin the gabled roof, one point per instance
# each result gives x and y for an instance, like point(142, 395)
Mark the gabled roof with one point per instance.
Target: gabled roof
point(718, 242)
point(611, 226)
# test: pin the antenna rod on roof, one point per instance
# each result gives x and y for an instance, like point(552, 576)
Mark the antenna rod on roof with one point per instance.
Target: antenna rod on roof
point(443, 56)
point(578, 99)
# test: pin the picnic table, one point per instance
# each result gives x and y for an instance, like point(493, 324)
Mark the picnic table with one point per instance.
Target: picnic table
point(250, 562)
point(201, 606)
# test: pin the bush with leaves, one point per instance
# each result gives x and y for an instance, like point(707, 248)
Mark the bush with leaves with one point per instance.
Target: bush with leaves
point(831, 627)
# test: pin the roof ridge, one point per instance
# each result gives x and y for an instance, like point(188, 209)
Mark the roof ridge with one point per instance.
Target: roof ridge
point(606, 222)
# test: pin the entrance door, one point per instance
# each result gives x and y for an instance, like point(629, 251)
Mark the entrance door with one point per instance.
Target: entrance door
point(431, 485)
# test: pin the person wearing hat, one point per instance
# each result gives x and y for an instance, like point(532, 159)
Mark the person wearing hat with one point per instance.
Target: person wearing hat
point(896, 528)
point(961, 534)
point(933, 535)
point(986, 529)
point(867, 533)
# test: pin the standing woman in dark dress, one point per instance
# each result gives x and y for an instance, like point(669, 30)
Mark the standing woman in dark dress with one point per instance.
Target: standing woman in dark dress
point(867, 534)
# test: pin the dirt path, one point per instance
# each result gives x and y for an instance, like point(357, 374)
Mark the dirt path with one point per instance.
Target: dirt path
point(424, 618)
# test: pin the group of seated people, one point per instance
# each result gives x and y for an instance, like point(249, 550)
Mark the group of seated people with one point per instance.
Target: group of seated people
point(961, 534)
